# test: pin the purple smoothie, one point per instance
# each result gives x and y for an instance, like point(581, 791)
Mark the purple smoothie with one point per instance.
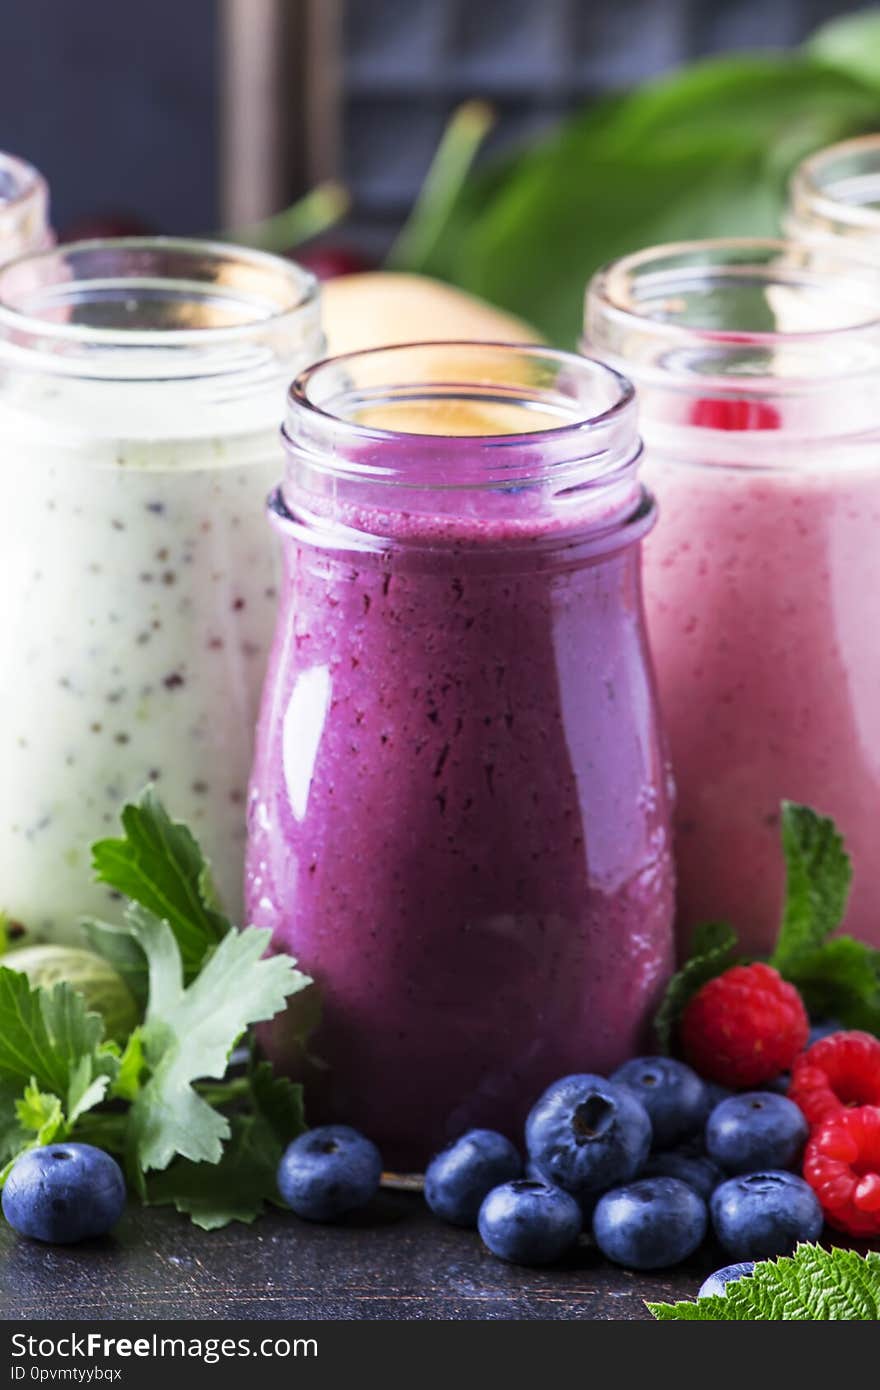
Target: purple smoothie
point(459, 818)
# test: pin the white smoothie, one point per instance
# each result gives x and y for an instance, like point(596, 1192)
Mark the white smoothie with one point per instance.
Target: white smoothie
point(136, 611)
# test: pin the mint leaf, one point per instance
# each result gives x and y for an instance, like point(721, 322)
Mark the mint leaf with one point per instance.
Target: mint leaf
point(48, 1036)
point(812, 1285)
point(158, 864)
point(190, 1031)
point(712, 952)
point(840, 979)
point(239, 1186)
point(817, 882)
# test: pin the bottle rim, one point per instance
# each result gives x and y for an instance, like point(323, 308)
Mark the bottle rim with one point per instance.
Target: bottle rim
point(595, 405)
point(77, 306)
point(24, 204)
point(813, 202)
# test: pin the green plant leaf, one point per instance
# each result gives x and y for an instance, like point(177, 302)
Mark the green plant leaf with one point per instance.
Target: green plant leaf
point(813, 1285)
point(189, 1033)
point(158, 864)
point(40, 1115)
point(702, 152)
point(46, 1036)
point(712, 952)
point(238, 1187)
point(852, 43)
point(817, 882)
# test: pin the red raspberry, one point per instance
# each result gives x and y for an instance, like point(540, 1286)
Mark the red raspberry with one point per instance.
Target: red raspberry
point(842, 1165)
point(744, 1027)
point(735, 415)
point(839, 1071)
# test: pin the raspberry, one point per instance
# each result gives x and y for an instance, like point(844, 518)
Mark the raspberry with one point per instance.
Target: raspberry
point(744, 1027)
point(735, 415)
point(842, 1165)
point(837, 1072)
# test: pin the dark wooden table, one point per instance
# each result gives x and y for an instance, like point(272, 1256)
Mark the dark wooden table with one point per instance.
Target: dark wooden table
point(394, 1262)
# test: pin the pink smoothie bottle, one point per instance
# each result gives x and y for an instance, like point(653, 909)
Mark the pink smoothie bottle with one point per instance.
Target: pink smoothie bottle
point(459, 814)
point(759, 387)
point(24, 209)
point(834, 203)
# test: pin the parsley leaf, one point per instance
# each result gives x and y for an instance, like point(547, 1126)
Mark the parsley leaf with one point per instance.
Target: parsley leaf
point(158, 864)
point(190, 1031)
point(810, 1286)
point(239, 1186)
point(712, 951)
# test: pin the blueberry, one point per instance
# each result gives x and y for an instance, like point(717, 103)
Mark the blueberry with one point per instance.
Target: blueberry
point(780, 1084)
point(716, 1285)
point(765, 1214)
point(823, 1028)
point(64, 1193)
point(696, 1170)
point(529, 1222)
point(756, 1130)
point(717, 1094)
point(464, 1173)
point(585, 1134)
point(675, 1098)
point(329, 1171)
point(651, 1224)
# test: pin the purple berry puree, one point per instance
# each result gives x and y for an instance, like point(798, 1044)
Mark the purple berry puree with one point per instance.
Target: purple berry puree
point(459, 817)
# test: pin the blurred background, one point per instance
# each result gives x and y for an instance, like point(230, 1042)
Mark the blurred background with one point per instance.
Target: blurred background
point(193, 115)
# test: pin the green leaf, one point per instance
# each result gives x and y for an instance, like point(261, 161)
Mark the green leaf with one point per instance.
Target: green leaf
point(702, 152)
point(851, 43)
point(813, 1285)
point(47, 1036)
point(712, 952)
point(840, 979)
point(41, 1114)
point(817, 883)
point(158, 864)
point(189, 1033)
point(118, 947)
point(239, 1186)
point(132, 1066)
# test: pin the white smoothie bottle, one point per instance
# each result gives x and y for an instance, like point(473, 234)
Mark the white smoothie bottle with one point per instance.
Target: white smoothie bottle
point(758, 378)
point(141, 387)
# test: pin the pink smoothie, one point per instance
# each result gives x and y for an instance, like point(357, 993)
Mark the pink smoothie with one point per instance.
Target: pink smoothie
point(762, 590)
point(458, 814)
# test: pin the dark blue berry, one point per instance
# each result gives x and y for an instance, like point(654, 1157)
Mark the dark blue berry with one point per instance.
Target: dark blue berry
point(586, 1134)
point(462, 1175)
point(676, 1100)
point(780, 1084)
point(823, 1028)
point(696, 1170)
point(329, 1171)
point(756, 1130)
point(64, 1193)
point(529, 1222)
point(716, 1285)
point(765, 1214)
point(650, 1224)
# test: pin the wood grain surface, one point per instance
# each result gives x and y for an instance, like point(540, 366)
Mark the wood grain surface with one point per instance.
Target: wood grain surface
point(394, 1261)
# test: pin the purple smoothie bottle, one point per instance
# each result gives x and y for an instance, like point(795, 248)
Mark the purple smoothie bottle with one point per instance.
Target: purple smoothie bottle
point(459, 814)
